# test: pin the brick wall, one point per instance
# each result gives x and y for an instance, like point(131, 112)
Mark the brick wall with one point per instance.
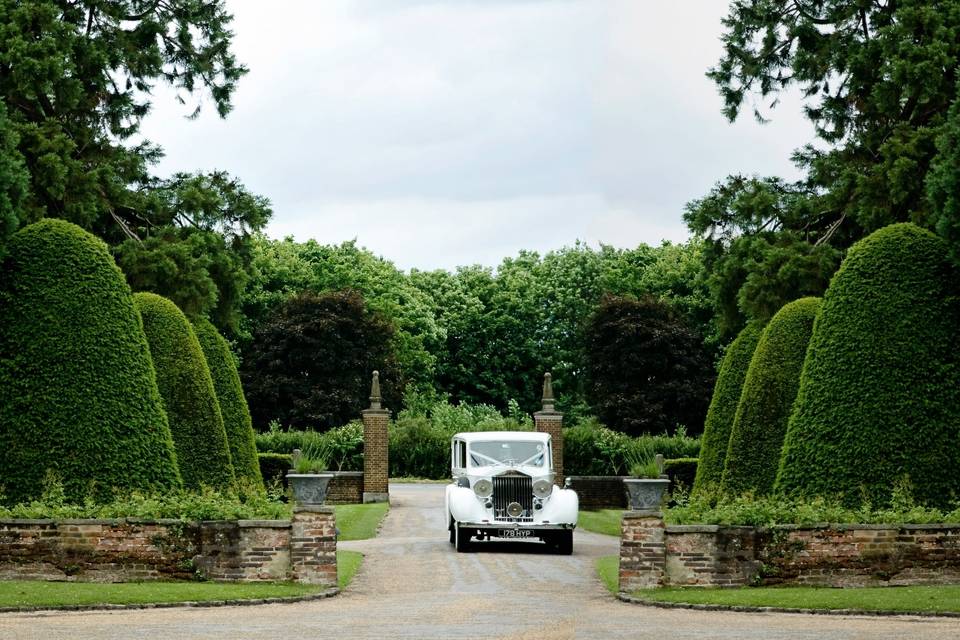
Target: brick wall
point(642, 557)
point(346, 487)
point(131, 549)
point(376, 464)
point(832, 555)
point(597, 492)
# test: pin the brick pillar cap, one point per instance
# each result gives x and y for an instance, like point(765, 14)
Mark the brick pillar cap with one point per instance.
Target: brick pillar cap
point(548, 400)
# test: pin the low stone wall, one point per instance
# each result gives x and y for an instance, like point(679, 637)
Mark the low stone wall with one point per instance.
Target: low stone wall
point(600, 492)
point(131, 549)
point(834, 555)
point(346, 487)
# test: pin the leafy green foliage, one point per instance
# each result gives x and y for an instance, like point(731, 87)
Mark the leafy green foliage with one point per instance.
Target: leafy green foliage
point(769, 389)
point(282, 269)
point(943, 181)
point(76, 83)
point(647, 371)
point(682, 471)
point(78, 394)
point(13, 180)
point(310, 362)
point(879, 79)
point(188, 395)
point(344, 445)
point(747, 509)
point(758, 251)
point(205, 504)
point(879, 395)
point(232, 403)
point(723, 407)
point(274, 466)
point(590, 449)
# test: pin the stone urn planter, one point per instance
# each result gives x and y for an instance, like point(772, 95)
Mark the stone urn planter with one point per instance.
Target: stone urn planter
point(309, 488)
point(646, 494)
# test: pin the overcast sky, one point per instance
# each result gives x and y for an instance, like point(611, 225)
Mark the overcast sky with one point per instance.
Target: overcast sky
point(448, 132)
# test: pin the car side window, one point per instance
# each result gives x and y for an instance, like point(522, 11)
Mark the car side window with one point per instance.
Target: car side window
point(462, 454)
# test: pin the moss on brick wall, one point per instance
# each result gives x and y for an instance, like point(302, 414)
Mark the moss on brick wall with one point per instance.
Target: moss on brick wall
point(769, 390)
point(879, 395)
point(78, 394)
point(188, 395)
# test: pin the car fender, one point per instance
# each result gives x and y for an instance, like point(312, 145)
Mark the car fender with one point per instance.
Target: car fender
point(463, 505)
point(562, 507)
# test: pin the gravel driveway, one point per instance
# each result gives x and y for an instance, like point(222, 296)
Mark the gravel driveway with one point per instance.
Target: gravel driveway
point(414, 585)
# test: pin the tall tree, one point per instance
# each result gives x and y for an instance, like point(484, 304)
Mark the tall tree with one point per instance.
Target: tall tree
point(647, 371)
point(878, 80)
point(13, 180)
point(76, 79)
point(309, 364)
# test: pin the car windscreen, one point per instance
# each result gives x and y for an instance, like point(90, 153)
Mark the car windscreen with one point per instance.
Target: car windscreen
point(495, 452)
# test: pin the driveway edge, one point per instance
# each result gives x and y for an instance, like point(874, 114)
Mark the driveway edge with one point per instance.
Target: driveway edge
point(244, 602)
point(749, 609)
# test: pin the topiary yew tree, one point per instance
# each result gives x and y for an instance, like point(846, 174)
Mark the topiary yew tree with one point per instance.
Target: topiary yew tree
point(879, 395)
point(188, 394)
point(78, 394)
point(233, 404)
point(769, 389)
point(723, 407)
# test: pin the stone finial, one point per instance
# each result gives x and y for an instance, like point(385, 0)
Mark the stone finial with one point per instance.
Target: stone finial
point(376, 399)
point(547, 399)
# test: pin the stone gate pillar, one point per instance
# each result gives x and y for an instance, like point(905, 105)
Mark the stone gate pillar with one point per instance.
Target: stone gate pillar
point(549, 420)
point(376, 462)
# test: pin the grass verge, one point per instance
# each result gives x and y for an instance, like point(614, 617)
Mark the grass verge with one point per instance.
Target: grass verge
point(415, 480)
point(359, 521)
point(928, 599)
point(608, 568)
point(348, 562)
point(30, 593)
point(605, 521)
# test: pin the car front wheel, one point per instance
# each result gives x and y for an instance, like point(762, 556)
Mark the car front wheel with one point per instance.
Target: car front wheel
point(461, 538)
point(564, 542)
point(451, 528)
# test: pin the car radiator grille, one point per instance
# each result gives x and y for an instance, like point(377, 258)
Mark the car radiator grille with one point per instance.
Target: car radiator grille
point(507, 489)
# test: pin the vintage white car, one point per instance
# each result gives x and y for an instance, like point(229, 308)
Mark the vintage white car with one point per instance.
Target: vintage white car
point(503, 487)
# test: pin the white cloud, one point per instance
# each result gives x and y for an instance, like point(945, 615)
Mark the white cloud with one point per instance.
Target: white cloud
point(441, 133)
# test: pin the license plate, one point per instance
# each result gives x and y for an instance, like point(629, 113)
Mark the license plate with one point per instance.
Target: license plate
point(514, 533)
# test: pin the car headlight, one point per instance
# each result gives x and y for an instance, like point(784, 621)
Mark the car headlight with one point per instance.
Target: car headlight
point(542, 488)
point(483, 488)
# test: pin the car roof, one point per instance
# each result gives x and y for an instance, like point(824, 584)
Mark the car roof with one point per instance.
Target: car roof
point(512, 436)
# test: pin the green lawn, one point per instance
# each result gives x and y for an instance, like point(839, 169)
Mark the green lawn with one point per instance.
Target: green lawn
point(608, 568)
point(359, 521)
point(927, 599)
point(606, 521)
point(30, 593)
point(348, 562)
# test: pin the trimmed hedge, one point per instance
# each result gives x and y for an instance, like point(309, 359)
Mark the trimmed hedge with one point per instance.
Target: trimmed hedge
point(188, 395)
point(682, 471)
point(233, 405)
point(78, 394)
point(879, 395)
point(756, 440)
point(274, 465)
point(723, 407)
